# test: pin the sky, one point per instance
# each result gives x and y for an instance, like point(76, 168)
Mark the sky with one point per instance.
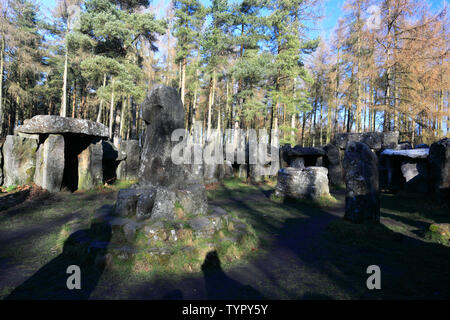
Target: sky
point(330, 9)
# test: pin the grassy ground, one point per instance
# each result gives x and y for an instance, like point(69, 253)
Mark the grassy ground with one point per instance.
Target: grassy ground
point(306, 251)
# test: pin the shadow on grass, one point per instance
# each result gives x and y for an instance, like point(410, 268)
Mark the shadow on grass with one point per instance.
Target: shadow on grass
point(341, 251)
point(84, 248)
point(219, 286)
point(410, 203)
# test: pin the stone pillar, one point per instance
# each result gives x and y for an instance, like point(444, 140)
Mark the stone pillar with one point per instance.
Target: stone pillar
point(19, 157)
point(128, 169)
point(439, 163)
point(50, 163)
point(362, 200)
point(333, 163)
point(90, 167)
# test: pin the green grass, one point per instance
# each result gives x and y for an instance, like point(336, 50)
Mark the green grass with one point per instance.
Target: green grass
point(414, 264)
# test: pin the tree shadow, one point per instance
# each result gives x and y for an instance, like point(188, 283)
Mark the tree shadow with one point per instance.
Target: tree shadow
point(219, 286)
point(84, 248)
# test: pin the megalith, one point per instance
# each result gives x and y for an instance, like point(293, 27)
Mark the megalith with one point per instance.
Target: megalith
point(362, 200)
point(50, 163)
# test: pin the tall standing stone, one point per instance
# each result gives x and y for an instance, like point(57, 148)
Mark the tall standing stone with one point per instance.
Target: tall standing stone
point(362, 200)
point(162, 112)
point(333, 163)
point(90, 167)
point(128, 169)
point(19, 157)
point(50, 163)
point(439, 163)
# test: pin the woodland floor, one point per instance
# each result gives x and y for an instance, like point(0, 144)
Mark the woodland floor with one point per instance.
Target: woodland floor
point(307, 251)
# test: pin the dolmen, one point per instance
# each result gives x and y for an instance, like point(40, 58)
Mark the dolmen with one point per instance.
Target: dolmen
point(59, 152)
point(405, 169)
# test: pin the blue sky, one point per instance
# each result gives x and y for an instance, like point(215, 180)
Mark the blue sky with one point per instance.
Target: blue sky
point(330, 9)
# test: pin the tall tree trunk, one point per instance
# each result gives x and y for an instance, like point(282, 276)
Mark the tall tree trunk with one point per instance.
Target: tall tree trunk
point(99, 115)
point(74, 101)
point(183, 79)
point(111, 110)
point(211, 102)
point(63, 112)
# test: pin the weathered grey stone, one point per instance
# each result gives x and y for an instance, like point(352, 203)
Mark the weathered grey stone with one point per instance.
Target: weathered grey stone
point(416, 175)
point(19, 160)
point(342, 139)
point(243, 171)
point(439, 162)
point(164, 206)
point(28, 135)
point(126, 202)
point(362, 202)
point(228, 169)
point(128, 168)
point(163, 112)
point(298, 162)
point(202, 226)
point(193, 199)
point(390, 139)
point(57, 124)
point(256, 172)
point(197, 171)
point(284, 158)
point(410, 153)
point(310, 182)
point(145, 203)
point(332, 162)
point(374, 140)
point(211, 173)
point(50, 163)
point(90, 167)
point(154, 228)
point(305, 151)
point(405, 145)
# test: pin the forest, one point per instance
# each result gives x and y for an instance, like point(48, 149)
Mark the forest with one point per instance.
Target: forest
point(236, 64)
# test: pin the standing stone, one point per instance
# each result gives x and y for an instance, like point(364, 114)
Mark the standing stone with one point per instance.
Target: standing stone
point(390, 139)
point(228, 169)
point(90, 167)
point(210, 172)
point(50, 163)
point(19, 157)
point(243, 171)
point(439, 162)
point(163, 112)
point(310, 182)
point(128, 169)
point(298, 163)
point(333, 163)
point(362, 201)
